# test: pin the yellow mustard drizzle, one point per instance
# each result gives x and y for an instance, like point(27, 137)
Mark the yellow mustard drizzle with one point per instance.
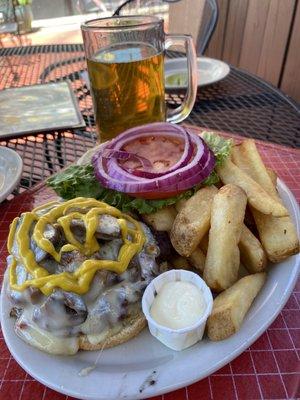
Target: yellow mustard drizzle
point(11, 235)
point(79, 281)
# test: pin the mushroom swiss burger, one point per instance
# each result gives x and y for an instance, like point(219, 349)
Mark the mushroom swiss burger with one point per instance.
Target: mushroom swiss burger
point(76, 274)
point(78, 267)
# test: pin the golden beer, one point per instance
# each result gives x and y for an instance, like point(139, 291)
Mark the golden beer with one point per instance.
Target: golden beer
point(127, 84)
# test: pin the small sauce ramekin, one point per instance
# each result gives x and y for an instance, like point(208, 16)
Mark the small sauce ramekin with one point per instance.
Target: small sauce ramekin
point(177, 339)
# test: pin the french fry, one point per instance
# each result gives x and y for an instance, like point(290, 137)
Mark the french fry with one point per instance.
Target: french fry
point(192, 221)
point(231, 306)
point(197, 259)
point(247, 158)
point(223, 258)
point(237, 158)
point(273, 176)
point(258, 198)
point(161, 220)
point(252, 253)
point(278, 235)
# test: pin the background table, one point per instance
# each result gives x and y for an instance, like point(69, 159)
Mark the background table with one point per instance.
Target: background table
point(270, 368)
point(241, 104)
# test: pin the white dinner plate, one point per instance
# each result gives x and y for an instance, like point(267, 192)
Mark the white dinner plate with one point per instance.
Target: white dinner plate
point(11, 166)
point(210, 71)
point(143, 367)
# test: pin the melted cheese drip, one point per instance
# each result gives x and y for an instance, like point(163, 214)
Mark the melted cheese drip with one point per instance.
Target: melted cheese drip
point(43, 340)
point(79, 281)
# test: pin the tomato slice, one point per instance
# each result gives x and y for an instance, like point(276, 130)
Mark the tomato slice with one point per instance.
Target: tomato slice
point(155, 195)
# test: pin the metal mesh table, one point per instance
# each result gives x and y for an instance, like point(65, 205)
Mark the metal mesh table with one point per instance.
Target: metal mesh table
point(241, 103)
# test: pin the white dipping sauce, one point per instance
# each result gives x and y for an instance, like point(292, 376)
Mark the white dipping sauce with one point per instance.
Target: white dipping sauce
point(178, 305)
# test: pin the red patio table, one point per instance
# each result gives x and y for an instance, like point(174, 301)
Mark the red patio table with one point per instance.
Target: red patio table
point(240, 105)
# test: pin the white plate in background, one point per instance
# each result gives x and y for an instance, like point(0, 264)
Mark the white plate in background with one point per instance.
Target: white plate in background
point(210, 71)
point(11, 166)
point(143, 367)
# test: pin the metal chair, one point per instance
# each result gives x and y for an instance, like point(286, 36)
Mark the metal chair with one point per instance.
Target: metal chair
point(197, 18)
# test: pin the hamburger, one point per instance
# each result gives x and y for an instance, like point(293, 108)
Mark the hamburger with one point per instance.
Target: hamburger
point(76, 274)
point(78, 266)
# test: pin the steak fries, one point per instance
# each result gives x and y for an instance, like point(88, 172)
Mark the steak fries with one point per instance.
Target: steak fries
point(231, 306)
point(193, 221)
point(223, 256)
point(278, 235)
point(253, 255)
point(258, 198)
point(218, 240)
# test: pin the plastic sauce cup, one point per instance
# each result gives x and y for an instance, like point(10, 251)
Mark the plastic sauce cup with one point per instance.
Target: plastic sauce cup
point(177, 339)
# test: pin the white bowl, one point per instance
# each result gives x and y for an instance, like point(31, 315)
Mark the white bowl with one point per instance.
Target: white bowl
point(177, 339)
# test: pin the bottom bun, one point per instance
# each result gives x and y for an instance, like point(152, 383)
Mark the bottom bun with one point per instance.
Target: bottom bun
point(131, 328)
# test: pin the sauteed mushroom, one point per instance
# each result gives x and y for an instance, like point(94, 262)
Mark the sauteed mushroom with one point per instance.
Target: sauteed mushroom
point(108, 228)
point(148, 266)
point(30, 295)
point(113, 303)
point(70, 261)
point(109, 250)
point(54, 234)
point(60, 310)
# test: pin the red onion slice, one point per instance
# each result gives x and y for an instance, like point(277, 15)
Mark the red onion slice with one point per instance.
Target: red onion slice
point(115, 175)
point(193, 180)
point(117, 172)
point(159, 129)
point(125, 155)
point(184, 159)
point(191, 172)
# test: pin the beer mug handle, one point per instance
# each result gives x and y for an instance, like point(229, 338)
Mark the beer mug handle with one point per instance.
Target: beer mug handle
point(178, 114)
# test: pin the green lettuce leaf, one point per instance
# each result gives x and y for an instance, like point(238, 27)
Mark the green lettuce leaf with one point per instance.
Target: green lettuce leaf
point(76, 181)
point(80, 181)
point(212, 179)
point(220, 146)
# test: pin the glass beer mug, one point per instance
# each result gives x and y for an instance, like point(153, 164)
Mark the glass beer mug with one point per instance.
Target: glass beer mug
point(125, 59)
